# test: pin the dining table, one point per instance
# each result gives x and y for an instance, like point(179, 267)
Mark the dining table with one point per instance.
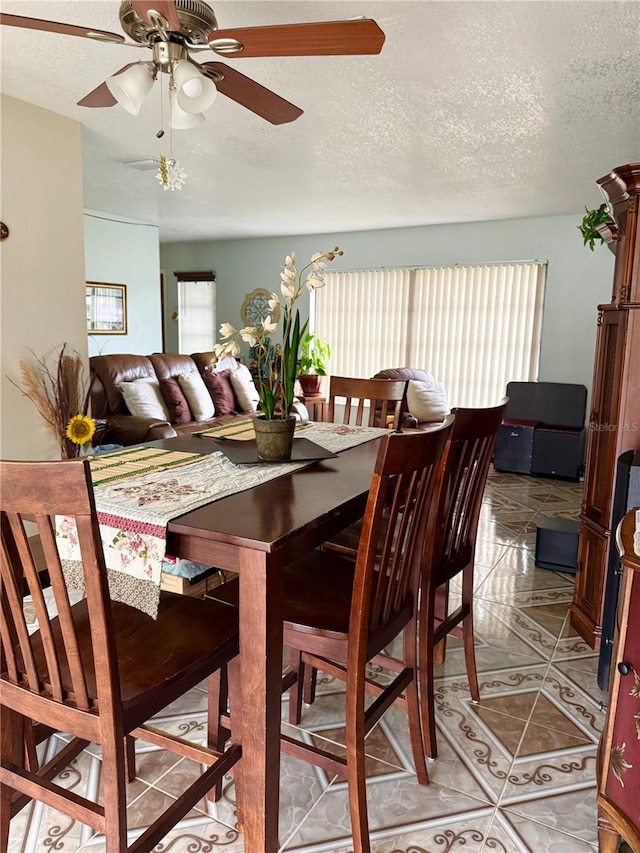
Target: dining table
point(256, 533)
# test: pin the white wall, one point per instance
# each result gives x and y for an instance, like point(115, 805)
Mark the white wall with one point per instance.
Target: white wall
point(120, 251)
point(42, 293)
point(578, 279)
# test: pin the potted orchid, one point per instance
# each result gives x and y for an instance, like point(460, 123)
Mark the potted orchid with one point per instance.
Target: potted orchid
point(276, 377)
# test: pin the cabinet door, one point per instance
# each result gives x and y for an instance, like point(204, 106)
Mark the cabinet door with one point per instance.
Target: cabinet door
point(593, 547)
point(604, 434)
point(622, 735)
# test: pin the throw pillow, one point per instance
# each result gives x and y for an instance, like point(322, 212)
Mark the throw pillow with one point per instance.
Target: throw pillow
point(427, 400)
point(219, 386)
point(227, 362)
point(245, 390)
point(143, 399)
point(179, 411)
point(198, 397)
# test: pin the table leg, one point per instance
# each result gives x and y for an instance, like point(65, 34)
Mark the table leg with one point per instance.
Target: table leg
point(261, 610)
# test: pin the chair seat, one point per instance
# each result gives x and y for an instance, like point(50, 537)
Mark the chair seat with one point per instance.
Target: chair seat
point(151, 659)
point(317, 593)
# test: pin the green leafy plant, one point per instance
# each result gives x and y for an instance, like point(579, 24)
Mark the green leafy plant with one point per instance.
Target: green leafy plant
point(590, 221)
point(314, 356)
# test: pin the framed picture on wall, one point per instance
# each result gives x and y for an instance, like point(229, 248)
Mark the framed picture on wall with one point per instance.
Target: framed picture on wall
point(106, 309)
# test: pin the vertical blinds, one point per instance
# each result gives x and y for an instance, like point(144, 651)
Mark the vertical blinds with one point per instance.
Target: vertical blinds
point(474, 328)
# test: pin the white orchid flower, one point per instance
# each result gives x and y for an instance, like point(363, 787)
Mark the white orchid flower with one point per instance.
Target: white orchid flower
point(227, 330)
point(287, 275)
point(268, 324)
point(290, 260)
point(289, 292)
point(230, 348)
point(249, 335)
point(314, 282)
point(274, 301)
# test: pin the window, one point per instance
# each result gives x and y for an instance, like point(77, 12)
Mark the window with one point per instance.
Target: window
point(196, 311)
point(474, 328)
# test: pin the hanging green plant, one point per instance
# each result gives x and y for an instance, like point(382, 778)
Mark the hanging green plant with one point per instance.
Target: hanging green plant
point(590, 221)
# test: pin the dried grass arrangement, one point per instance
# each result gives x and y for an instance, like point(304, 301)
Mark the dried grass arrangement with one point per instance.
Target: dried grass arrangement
point(59, 393)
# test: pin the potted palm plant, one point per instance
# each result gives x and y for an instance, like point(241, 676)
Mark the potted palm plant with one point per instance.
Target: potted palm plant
point(312, 364)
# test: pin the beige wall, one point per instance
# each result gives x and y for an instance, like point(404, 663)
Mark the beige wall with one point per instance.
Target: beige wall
point(42, 289)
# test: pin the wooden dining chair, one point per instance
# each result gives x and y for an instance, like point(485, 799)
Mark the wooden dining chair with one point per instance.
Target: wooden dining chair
point(367, 402)
point(340, 614)
point(453, 527)
point(99, 670)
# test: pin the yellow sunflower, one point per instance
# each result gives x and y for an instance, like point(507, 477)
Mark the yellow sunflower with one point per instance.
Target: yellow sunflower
point(80, 429)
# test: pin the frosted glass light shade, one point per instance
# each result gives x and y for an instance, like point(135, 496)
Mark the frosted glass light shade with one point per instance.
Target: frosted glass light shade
point(195, 92)
point(180, 119)
point(131, 87)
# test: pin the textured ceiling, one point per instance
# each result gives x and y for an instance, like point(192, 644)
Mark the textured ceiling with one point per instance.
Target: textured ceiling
point(474, 110)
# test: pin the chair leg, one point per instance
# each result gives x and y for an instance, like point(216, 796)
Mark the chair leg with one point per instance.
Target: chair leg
point(12, 751)
point(467, 633)
point(114, 775)
point(425, 676)
point(130, 757)
point(295, 691)
point(217, 733)
point(310, 681)
point(441, 610)
point(357, 770)
point(235, 712)
point(412, 696)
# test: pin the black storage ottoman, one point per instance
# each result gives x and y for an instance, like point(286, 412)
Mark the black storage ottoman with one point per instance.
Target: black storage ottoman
point(514, 446)
point(557, 544)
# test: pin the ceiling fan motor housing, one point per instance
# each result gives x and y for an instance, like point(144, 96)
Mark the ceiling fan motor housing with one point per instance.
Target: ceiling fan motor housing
point(197, 22)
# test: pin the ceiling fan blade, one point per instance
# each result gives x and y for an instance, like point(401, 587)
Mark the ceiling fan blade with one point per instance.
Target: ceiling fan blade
point(328, 38)
point(166, 8)
point(249, 94)
point(101, 96)
point(56, 27)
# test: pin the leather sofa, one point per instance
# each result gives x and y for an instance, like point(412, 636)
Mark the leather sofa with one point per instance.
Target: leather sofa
point(116, 424)
point(409, 419)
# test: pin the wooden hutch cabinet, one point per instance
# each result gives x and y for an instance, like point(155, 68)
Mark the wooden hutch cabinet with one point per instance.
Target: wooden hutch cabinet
point(619, 753)
point(614, 422)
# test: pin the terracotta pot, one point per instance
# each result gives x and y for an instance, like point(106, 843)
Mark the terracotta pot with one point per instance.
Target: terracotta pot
point(274, 439)
point(310, 385)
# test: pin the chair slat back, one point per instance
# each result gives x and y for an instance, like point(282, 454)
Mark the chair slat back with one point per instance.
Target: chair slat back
point(381, 400)
point(464, 475)
point(390, 551)
point(49, 662)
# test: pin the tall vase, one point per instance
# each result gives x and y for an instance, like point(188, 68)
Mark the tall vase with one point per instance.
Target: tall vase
point(274, 439)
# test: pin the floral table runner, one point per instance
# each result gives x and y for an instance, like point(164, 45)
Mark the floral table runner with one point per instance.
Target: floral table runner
point(134, 509)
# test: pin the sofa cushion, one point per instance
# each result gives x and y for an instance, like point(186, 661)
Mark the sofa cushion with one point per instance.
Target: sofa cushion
point(107, 372)
point(219, 385)
point(427, 400)
point(168, 364)
point(143, 398)
point(199, 399)
point(245, 391)
point(173, 395)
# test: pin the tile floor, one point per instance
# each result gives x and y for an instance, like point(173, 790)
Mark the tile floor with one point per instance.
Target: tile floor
point(514, 773)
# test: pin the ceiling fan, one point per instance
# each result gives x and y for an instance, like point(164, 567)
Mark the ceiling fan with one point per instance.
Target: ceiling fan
point(174, 29)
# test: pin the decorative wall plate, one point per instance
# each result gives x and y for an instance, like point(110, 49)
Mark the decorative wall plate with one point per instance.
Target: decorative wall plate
point(256, 307)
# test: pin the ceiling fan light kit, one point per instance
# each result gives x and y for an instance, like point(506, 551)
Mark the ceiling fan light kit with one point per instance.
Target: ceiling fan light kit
point(195, 93)
point(171, 28)
point(132, 86)
point(180, 119)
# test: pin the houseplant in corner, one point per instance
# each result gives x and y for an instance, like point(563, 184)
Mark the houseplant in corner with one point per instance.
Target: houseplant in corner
point(276, 378)
point(314, 357)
